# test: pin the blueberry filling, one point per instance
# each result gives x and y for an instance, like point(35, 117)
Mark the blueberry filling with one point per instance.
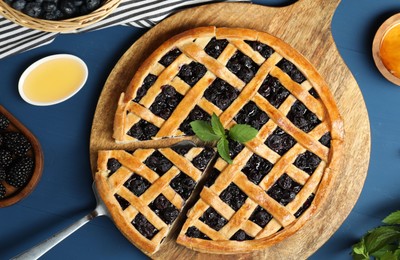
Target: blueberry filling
point(233, 196)
point(164, 209)
point(181, 150)
point(290, 69)
point(240, 235)
point(213, 219)
point(250, 114)
point(166, 102)
point(280, 142)
point(122, 202)
point(221, 93)
point(113, 165)
point(273, 91)
point(284, 190)
point(158, 163)
point(234, 148)
point(215, 47)
point(213, 175)
point(260, 216)
point(143, 130)
point(196, 114)
point(305, 206)
point(313, 93)
point(302, 117)
point(201, 161)
point(168, 58)
point(137, 184)
point(257, 168)
point(262, 48)
point(242, 66)
point(307, 162)
point(183, 185)
point(192, 73)
point(147, 83)
point(144, 226)
point(326, 139)
point(196, 233)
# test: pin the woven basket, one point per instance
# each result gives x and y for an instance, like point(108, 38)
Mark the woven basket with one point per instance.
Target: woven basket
point(67, 25)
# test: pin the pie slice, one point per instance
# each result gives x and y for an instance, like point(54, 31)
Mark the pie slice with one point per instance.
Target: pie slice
point(146, 190)
point(276, 182)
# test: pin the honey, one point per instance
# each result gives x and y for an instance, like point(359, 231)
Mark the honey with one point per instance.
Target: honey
point(390, 50)
point(54, 80)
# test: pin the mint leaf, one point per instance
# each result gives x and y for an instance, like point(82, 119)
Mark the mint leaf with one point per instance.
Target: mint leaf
point(393, 218)
point(242, 133)
point(217, 126)
point(379, 237)
point(204, 131)
point(223, 150)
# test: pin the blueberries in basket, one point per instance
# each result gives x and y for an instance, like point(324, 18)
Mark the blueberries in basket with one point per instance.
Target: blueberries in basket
point(55, 9)
point(18, 4)
point(33, 9)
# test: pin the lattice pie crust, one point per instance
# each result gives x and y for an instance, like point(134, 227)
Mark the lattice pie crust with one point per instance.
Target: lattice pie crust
point(277, 180)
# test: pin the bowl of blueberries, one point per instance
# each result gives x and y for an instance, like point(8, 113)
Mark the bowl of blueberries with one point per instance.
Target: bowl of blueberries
point(56, 15)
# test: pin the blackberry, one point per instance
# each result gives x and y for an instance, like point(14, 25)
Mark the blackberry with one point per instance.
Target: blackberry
point(4, 122)
point(2, 174)
point(2, 191)
point(20, 172)
point(17, 143)
point(5, 158)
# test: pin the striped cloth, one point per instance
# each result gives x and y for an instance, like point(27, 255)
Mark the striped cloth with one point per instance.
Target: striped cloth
point(138, 13)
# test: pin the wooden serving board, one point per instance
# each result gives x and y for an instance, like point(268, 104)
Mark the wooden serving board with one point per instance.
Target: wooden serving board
point(305, 25)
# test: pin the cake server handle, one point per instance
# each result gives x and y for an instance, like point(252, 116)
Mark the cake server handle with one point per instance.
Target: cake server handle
point(41, 248)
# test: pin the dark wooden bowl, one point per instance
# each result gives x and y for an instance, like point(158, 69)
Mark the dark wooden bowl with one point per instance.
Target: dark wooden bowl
point(13, 195)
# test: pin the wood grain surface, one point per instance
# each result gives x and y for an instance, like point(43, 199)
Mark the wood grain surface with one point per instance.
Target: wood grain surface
point(306, 26)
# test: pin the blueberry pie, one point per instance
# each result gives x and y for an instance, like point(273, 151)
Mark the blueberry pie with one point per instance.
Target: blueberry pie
point(145, 190)
point(276, 182)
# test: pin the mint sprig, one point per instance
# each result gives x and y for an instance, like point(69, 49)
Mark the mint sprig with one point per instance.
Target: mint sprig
point(382, 242)
point(216, 132)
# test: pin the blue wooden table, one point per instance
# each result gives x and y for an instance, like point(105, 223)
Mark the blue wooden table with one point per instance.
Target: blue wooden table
point(64, 193)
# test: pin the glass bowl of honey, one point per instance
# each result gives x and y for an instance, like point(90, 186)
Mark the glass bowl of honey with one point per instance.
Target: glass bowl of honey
point(386, 49)
point(52, 79)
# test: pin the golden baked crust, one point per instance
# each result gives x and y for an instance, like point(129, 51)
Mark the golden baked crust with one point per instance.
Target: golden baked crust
point(311, 94)
point(114, 183)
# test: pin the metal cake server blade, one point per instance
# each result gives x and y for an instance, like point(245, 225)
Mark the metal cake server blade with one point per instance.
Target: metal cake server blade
point(41, 248)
